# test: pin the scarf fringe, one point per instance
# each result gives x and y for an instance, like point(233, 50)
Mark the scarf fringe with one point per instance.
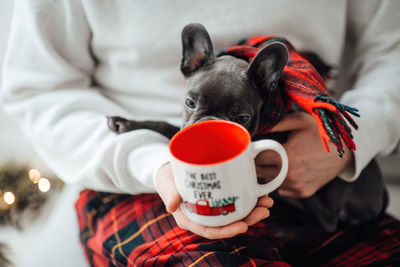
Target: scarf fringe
point(334, 123)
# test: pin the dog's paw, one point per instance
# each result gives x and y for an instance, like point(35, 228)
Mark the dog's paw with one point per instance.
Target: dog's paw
point(118, 124)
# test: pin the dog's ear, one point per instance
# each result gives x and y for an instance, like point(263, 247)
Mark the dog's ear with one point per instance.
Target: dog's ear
point(197, 48)
point(265, 69)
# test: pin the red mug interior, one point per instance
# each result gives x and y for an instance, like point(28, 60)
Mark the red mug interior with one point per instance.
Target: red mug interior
point(209, 142)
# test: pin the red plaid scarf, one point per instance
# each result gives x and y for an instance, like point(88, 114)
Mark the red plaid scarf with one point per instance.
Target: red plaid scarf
point(302, 84)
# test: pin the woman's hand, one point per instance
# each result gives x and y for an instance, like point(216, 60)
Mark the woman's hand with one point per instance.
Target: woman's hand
point(171, 198)
point(310, 165)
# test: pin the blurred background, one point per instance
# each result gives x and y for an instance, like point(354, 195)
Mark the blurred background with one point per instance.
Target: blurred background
point(38, 223)
point(52, 234)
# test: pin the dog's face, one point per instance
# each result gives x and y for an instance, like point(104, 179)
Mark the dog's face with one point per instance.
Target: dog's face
point(227, 88)
point(222, 91)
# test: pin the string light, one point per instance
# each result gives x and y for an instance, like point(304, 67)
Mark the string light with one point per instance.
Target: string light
point(23, 188)
point(44, 185)
point(34, 175)
point(9, 198)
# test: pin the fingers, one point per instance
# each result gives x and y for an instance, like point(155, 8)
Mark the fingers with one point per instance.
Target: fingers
point(292, 188)
point(258, 214)
point(173, 201)
point(298, 190)
point(293, 121)
point(268, 165)
point(265, 201)
point(268, 157)
point(288, 193)
point(208, 231)
point(266, 174)
point(291, 193)
point(167, 188)
point(261, 211)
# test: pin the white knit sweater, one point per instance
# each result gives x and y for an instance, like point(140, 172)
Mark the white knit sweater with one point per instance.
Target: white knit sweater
point(69, 63)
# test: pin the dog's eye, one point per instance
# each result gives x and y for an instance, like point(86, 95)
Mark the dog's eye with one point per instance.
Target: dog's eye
point(243, 118)
point(190, 103)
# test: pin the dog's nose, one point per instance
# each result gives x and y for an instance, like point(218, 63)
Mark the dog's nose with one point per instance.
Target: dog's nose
point(208, 118)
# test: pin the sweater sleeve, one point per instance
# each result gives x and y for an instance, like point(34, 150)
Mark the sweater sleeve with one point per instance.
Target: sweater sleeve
point(375, 30)
point(47, 88)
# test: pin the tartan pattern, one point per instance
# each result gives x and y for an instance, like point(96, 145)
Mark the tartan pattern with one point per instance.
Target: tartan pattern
point(125, 230)
point(302, 83)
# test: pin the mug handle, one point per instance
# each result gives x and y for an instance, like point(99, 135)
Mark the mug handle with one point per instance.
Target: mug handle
point(262, 145)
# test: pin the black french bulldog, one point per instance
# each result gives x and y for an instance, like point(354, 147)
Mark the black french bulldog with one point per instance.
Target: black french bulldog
point(228, 88)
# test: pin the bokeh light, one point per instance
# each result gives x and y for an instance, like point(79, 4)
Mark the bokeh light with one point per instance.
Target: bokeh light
point(9, 198)
point(44, 185)
point(34, 176)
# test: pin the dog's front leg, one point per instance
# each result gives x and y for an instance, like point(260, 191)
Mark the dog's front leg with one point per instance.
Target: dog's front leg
point(120, 125)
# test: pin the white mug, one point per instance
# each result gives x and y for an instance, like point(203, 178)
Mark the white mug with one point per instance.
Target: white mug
point(214, 171)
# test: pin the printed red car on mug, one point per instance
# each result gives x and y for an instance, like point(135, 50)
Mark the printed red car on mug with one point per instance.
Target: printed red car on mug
point(202, 207)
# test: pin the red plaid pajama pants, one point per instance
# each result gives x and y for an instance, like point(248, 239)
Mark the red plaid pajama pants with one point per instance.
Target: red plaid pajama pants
point(125, 230)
